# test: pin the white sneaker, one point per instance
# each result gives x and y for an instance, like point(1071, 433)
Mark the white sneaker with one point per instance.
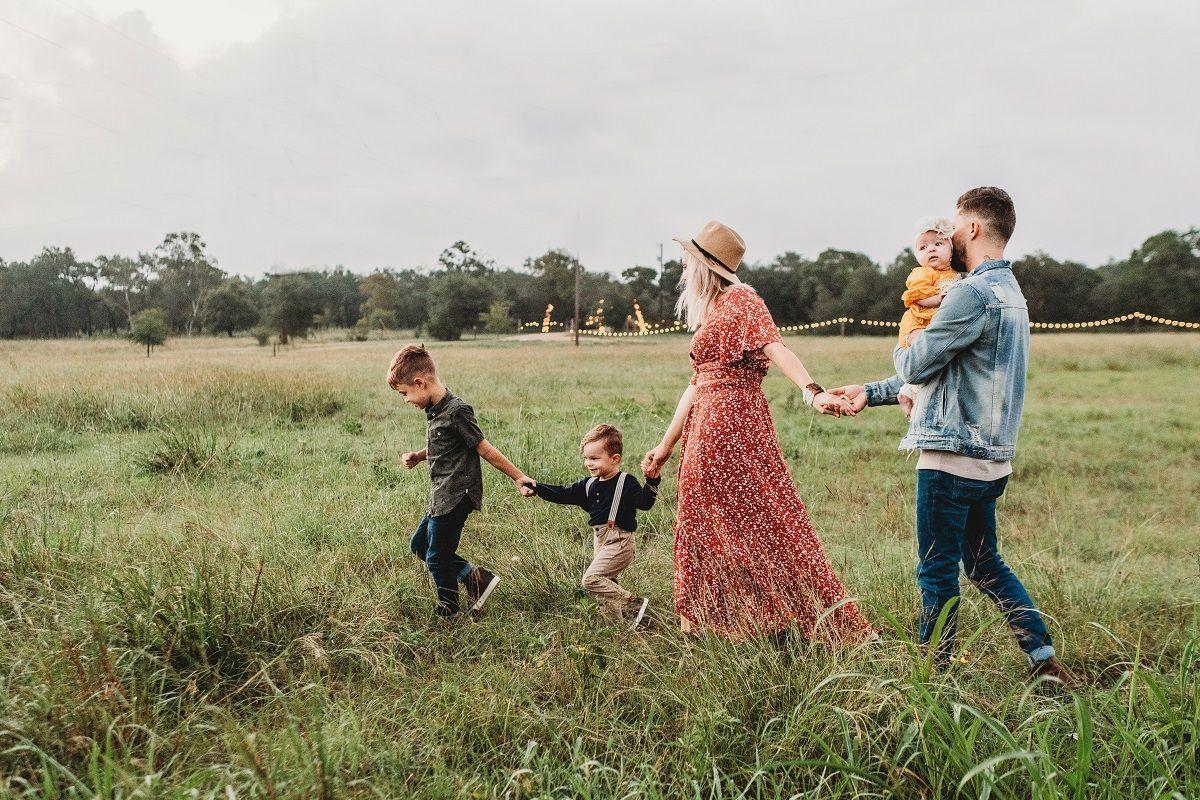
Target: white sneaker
point(480, 585)
point(641, 614)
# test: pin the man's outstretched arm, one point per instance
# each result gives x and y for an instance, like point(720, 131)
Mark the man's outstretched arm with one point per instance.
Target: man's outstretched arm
point(954, 328)
point(876, 393)
point(884, 392)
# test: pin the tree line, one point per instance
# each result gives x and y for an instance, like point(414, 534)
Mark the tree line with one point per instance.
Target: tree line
point(179, 288)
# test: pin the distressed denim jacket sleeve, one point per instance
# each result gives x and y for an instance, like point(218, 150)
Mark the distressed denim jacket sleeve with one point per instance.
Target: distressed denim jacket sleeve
point(884, 392)
point(957, 325)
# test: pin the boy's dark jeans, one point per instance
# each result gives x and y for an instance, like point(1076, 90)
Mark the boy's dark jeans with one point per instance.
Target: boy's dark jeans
point(956, 521)
point(436, 543)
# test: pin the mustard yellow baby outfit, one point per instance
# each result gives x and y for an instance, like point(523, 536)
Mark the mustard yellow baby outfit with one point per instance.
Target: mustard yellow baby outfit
point(922, 283)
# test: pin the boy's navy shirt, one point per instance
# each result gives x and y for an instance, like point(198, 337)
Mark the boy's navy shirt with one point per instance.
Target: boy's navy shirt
point(454, 469)
point(598, 501)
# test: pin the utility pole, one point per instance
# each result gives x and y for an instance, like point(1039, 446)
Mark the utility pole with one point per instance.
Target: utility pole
point(578, 268)
point(659, 305)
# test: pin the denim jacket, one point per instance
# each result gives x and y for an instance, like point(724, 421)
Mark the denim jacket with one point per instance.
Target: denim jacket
point(971, 361)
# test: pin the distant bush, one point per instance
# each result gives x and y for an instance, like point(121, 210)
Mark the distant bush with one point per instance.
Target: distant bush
point(149, 328)
point(360, 332)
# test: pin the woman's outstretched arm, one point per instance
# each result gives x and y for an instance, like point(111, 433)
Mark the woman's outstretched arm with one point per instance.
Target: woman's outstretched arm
point(654, 459)
point(791, 366)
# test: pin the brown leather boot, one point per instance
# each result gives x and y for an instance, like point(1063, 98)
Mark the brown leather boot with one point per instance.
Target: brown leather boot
point(1050, 668)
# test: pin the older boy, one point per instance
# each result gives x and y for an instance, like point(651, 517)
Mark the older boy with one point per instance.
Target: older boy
point(454, 445)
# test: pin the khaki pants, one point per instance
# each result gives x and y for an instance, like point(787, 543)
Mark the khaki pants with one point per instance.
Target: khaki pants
point(612, 551)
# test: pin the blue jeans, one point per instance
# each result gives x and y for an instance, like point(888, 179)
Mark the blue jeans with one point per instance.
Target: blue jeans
point(956, 521)
point(436, 543)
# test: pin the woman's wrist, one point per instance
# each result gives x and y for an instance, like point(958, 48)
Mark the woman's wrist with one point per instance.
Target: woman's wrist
point(810, 393)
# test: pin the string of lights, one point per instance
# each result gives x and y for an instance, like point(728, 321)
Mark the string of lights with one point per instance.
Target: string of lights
point(1097, 323)
point(879, 323)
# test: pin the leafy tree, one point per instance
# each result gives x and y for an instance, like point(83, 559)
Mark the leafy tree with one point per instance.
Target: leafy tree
point(864, 286)
point(380, 291)
point(186, 274)
point(460, 257)
point(340, 297)
point(149, 327)
point(643, 284)
point(1056, 291)
point(230, 307)
point(524, 295)
point(668, 291)
point(830, 274)
point(456, 301)
point(785, 286)
point(887, 305)
point(497, 319)
point(381, 320)
point(49, 296)
point(126, 279)
point(290, 303)
point(555, 273)
point(1161, 277)
point(401, 294)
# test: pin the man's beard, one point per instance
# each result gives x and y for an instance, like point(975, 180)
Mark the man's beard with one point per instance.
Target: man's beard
point(958, 261)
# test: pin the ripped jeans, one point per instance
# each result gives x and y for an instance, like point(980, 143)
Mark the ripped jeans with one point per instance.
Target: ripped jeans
point(956, 521)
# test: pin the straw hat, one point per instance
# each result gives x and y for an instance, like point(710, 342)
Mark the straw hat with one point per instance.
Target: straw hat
point(719, 247)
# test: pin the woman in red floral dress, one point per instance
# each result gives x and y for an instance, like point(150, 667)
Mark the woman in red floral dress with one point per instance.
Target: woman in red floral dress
point(747, 560)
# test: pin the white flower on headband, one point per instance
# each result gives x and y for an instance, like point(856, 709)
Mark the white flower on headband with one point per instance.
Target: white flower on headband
point(939, 225)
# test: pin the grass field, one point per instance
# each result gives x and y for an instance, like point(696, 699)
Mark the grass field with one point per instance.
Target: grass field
point(206, 590)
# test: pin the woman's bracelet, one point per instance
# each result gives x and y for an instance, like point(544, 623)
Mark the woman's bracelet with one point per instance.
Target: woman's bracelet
point(810, 392)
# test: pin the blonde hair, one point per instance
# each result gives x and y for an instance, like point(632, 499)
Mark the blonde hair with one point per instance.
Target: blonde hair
point(699, 287)
point(940, 225)
point(611, 437)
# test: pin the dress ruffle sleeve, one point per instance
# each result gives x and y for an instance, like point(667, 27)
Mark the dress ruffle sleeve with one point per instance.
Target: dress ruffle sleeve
point(756, 328)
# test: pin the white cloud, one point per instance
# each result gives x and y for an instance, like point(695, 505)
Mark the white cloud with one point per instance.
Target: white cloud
point(372, 133)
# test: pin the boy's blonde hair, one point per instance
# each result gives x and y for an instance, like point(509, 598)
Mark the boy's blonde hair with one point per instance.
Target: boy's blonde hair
point(410, 363)
point(611, 437)
point(940, 225)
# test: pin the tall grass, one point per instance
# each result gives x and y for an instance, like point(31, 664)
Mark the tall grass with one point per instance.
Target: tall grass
point(220, 602)
point(211, 396)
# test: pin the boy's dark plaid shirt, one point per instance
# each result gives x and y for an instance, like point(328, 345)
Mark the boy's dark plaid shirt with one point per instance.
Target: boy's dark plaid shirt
point(454, 470)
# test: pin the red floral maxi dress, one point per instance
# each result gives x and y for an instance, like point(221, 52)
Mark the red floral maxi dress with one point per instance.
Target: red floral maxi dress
point(747, 560)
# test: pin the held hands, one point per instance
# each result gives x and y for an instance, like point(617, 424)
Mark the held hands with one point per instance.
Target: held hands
point(525, 485)
point(652, 464)
point(854, 394)
point(833, 404)
point(410, 460)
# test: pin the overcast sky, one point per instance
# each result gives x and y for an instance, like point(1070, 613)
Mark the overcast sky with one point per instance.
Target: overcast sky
point(293, 133)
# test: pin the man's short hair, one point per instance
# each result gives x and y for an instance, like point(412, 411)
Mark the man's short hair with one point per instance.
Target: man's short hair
point(607, 434)
point(994, 207)
point(410, 363)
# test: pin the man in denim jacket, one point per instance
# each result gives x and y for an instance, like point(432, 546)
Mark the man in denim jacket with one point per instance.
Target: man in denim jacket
point(971, 360)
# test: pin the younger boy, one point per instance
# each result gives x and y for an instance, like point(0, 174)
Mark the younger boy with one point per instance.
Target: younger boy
point(612, 499)
point(454, 444)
